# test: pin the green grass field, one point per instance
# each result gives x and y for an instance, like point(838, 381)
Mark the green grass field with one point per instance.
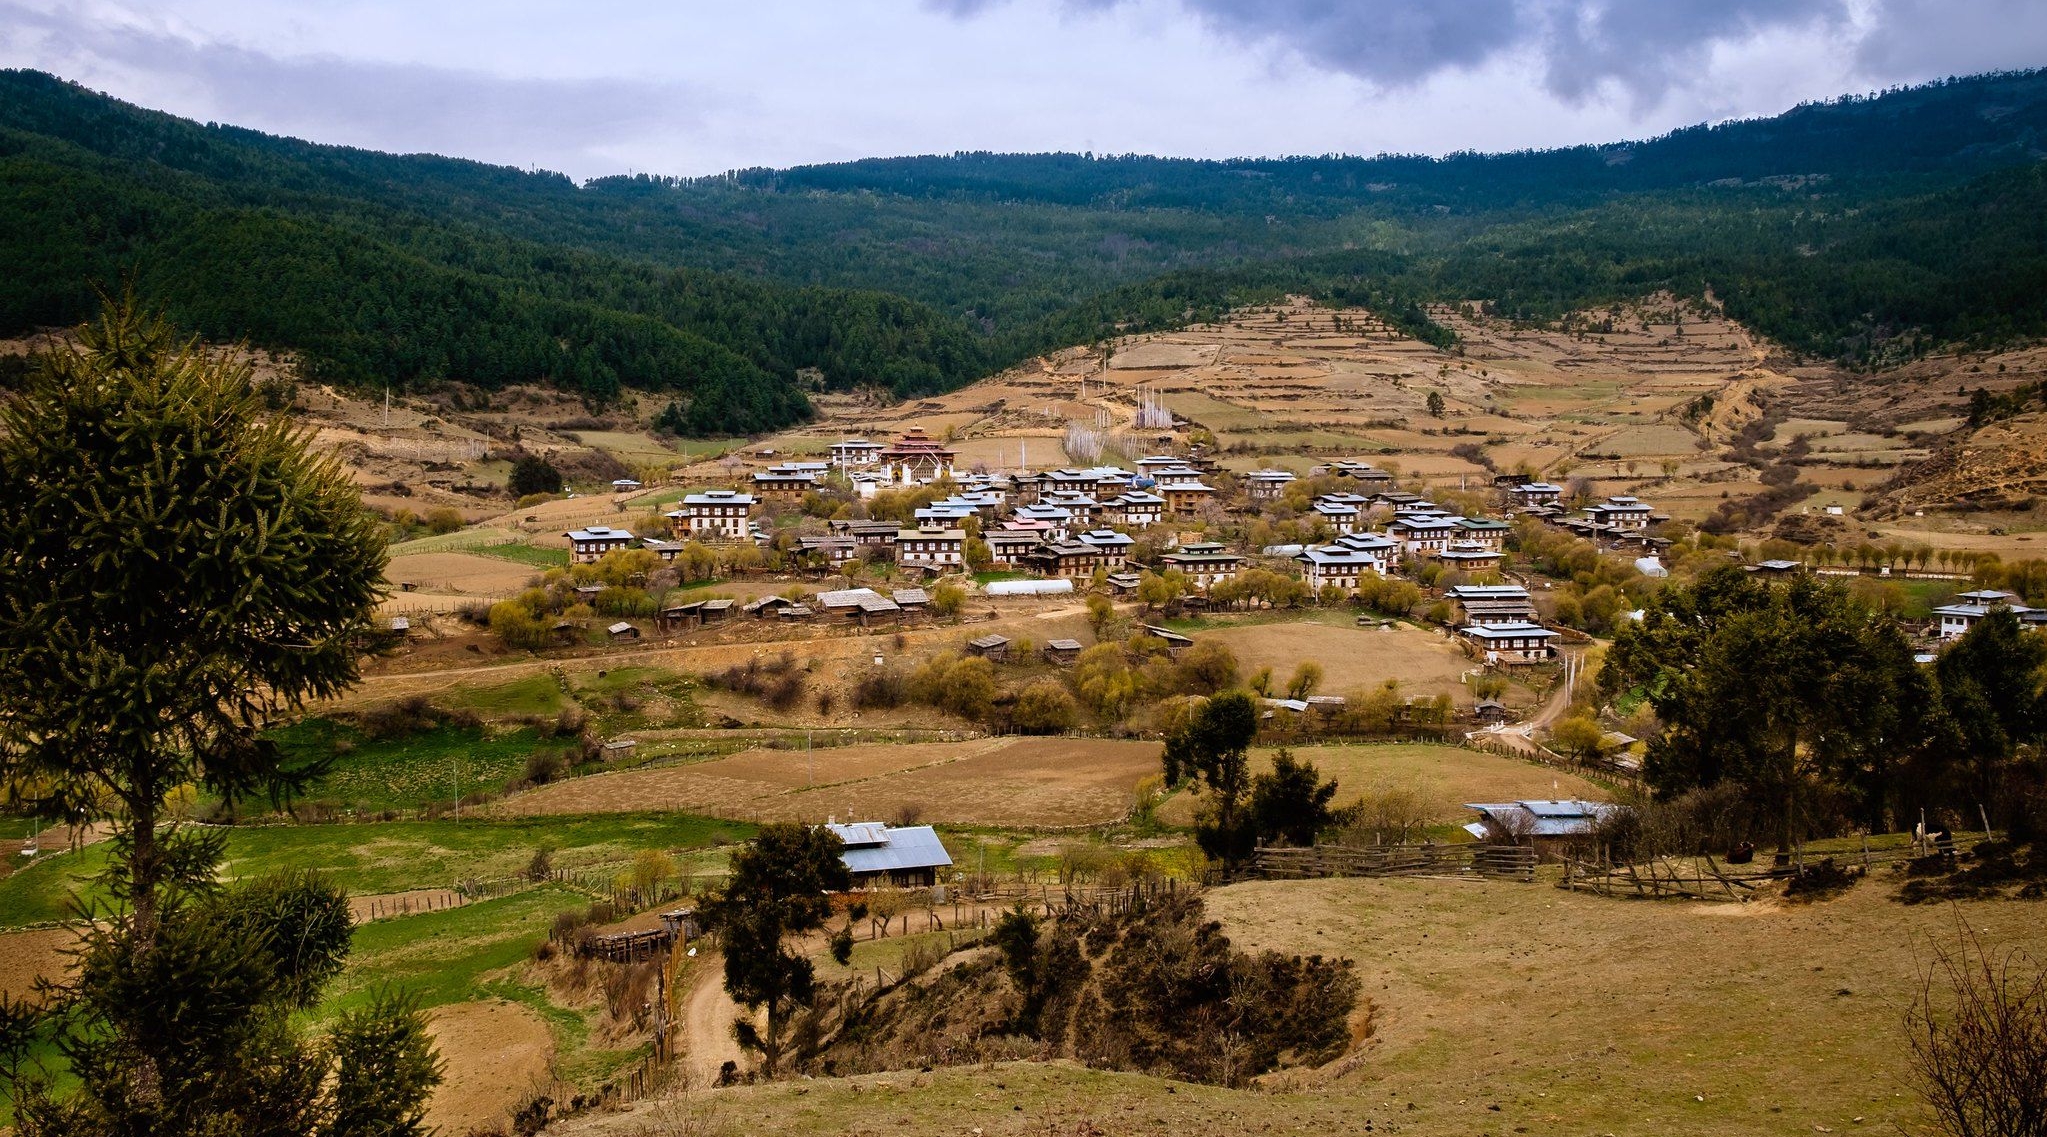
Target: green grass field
point(408, 773)
point(539, 556)
point(394, 856)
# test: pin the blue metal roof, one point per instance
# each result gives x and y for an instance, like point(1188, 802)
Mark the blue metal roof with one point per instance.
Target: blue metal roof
point(910, 847)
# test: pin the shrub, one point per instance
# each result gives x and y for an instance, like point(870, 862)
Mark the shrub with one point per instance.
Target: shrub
point(1044, 707)
point(543, 766)
point(883, 687)
point(443, 519)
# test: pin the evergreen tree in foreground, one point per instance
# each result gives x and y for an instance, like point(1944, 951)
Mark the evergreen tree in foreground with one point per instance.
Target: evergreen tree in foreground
point(176, 568)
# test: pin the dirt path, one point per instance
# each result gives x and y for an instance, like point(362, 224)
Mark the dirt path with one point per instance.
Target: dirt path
point(496, 1053)
point(707, 1016)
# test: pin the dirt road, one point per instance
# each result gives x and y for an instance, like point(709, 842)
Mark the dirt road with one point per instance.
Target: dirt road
point(707, 1017)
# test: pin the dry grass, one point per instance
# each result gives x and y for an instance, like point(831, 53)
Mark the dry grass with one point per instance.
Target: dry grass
point(1351, 657)
point(471, 574)
point(1445, 776)
point(1025, 782)
point(1497, 1009)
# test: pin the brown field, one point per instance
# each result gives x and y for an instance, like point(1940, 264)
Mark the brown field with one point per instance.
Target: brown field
point(1496, 1009)
point(1446, 777)
point(1425, 663)
point(496, 1053)
point(458, 574)
point(1021, 782)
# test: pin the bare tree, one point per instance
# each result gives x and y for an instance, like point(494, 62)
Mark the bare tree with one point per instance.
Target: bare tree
point(1979, 1041)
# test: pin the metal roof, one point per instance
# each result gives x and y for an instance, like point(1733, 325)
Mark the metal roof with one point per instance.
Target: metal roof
point(872, 847)
point(1548, 818)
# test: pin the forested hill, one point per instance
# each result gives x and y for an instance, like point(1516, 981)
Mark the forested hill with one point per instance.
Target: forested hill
point(1866, 229)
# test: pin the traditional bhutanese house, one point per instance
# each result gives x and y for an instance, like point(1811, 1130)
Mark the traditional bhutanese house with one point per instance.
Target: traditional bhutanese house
point(625, 485)
point(863, 606)
point(1174, 641)
point(1509, 643)
point(1062, 651)
point(783, 485)
point(1008, 547)
point(1509, 481)
point(1204, 565)
point(990, 647)
point(1394, 499)
point(1422, 536)
point(879, 855)
point(1080, 506)
point(1340, 517)
point(985, 503)
point(1548, 826)
point(1468, 556)
point(1070, 480)
point(1124, 583)
point(920, 457)
point(713, 515)
point(932, 548)
point(1359, 471)
point(716, 611)
point(1056, 519)
point(588, 546)
point(1176, 476)
point(834, 550)
point(1186, 499)
point(1490, 711)
point(1069, 559)
point(1112, 549)
point(1026, 485)
point(1134, 509)
point(1377, 546)
point(855, 454)
point(869, 534)
point(949, 512)
point(1337, 565)
point(1536, 493)
point(623, 631)
point(1621, 512)
point(588, 593)
point(1493, 603)
point(666, 550)
point(1266, 485)
point(1956, 619)
point(1151, 464)
point(1486, 532)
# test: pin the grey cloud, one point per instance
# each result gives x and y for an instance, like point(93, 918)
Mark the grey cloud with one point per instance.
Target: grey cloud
point(1923, 39)
point(558, 123)
point(1582, 46)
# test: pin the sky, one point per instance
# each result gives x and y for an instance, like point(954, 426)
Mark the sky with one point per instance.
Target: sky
point(596, 87)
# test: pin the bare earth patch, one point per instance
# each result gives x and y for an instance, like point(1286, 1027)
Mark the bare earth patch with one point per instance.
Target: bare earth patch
point(28, 956)
point(496, 1053)
point(1424, 662)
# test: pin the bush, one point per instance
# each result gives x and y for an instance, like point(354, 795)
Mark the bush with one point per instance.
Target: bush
point(443, 519)
point(1044, 707)
point(543, 766)
point(883, 687)
point(532, 474)
point(515, 624)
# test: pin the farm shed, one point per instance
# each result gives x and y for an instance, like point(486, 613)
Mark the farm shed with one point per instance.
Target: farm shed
point(1174, 641)
point(401, 627)
point(795, 612)
point(906, 857)
point(618, 748)
point(763, 607)
point(990, 647)
point(623, 631)
point(1490, 711)
point(1549, 826)
point(715, 611)
point(679, 615)
point(1062, 651)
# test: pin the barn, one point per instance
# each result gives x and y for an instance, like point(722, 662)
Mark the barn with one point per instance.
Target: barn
point(879, 855)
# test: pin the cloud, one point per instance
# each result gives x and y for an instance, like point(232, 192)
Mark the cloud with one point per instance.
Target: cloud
point(1582, 48)
point(560, 123)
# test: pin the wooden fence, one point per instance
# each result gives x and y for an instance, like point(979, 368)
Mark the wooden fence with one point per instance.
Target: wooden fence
point(1705, 878)
point(1507, 862)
